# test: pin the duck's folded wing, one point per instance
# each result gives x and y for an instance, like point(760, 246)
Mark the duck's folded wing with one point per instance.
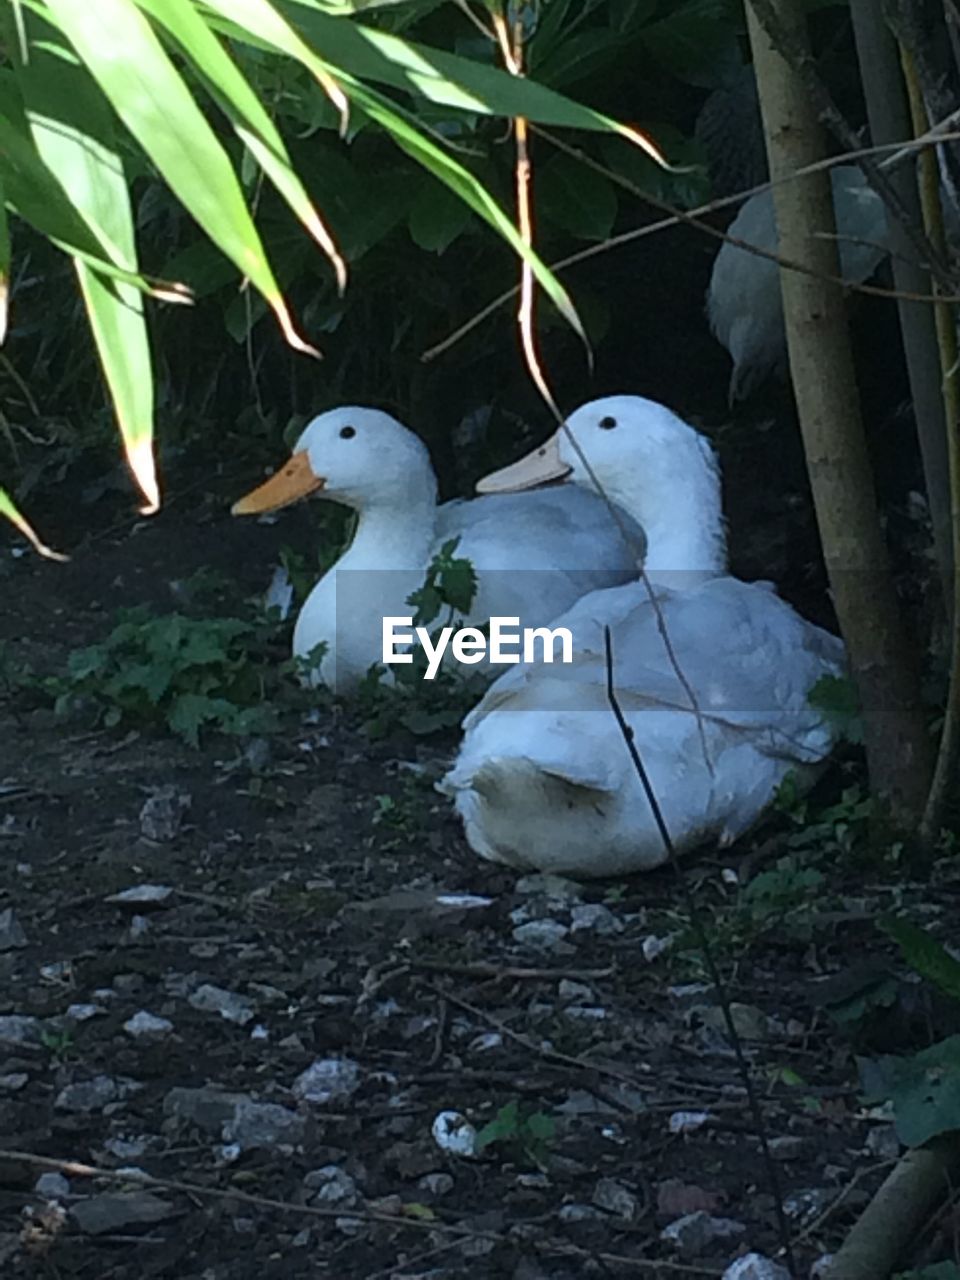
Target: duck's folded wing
point(746, 657)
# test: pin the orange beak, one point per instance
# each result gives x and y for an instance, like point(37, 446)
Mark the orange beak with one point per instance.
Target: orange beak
point(293, 481)
point(541, 466)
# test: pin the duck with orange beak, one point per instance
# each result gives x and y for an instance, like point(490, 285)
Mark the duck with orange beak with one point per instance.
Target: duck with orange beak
point(534, 553)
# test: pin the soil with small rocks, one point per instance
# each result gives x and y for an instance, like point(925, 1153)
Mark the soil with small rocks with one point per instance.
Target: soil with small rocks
point(255, 1020)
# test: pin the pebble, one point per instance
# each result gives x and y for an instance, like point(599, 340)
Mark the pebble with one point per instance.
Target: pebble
point(688, 1121)
point(574, 992)
point(53, 1186)
point(654, 947)
point(12, 935)
point(230, 1006)
point(580, 1213)
point(585, 1012)
point(554, 888)
point(453, 1132)
point(882, 1142)
point(436, 1184)
point(754, 1266)
point(543, 935)
point(142, 895)
point(161, 816)
point(94, 1094)
point(596, 918)
point(146, 1026)
point(613, 1196)
point(264, 1125)
point(809, 1203)
point(789, 1146)
point(114, 1212)
point(84, 1012)
point(695, 1232)
point(13, 1082)
point(327, 1080)
point(333, 1186)
point(19, 1029)
point(208, 1107)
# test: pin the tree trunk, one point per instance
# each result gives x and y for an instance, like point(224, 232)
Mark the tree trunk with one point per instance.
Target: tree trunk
point(889, 117)
point(821, 368)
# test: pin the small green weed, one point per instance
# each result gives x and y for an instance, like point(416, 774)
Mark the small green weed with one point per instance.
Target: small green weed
point(780, 899)
point(409, 701)
point(923, 1088)
point(59, 1044)
point(530, 1131)
point(169, 671)
point(839, 701)
point(840, 828)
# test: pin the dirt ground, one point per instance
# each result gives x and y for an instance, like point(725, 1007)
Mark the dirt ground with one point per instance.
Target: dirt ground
point(327, 967)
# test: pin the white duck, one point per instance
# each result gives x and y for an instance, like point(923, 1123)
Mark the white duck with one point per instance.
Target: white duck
point(543, 778)
point(535, 553)
point(744, 304)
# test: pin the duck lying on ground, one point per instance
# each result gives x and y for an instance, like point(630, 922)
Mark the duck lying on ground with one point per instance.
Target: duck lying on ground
point(543, 778)
point(534, 553)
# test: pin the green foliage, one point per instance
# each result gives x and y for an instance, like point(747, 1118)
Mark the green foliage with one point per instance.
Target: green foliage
point(838, 699)
point(530, 1131)
point(407, 700)
point(841, 827)
point(936, 1271)
point(449, 582)
point(780, 900)
point(211, 100)
point(772, 895)
point(923, 1088)
point(59, 1043)
point(169, 671)
point(925, 955)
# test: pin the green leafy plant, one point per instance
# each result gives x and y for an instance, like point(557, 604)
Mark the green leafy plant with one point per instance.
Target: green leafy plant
point(841, 827)
point(168, 671)
point(409, 701)
point(923, 1088)
point(93, 96)
point(59, 1043)
point(837, 698)
point(530, 1131)
point(936, 1271)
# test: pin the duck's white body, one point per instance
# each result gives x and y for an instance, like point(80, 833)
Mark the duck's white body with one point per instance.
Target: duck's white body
point(543, 778)
point(535, 554)
point(744, 304)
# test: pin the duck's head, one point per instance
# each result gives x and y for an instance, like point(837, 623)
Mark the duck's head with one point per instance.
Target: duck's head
point(360, 457)
point(650, 462)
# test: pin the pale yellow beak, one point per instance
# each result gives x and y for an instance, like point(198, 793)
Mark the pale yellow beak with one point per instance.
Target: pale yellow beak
point(293, 481)
point(541, 466)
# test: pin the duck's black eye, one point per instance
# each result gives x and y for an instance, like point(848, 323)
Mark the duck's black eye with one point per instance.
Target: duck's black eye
point(608, 423)
point(347, 433)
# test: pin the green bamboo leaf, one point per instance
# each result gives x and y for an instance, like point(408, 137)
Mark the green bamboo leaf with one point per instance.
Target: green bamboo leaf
point(8, 508)
point(246, 113)
point(33, 192)
point(74, 134)
point(462, 182)
point(4, 266)
point(416, 144)
point(125, 57)
point(444, 78)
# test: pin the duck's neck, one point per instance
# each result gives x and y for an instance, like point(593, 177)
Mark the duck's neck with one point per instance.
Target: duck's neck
point(392, 534)
point(681, 513)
